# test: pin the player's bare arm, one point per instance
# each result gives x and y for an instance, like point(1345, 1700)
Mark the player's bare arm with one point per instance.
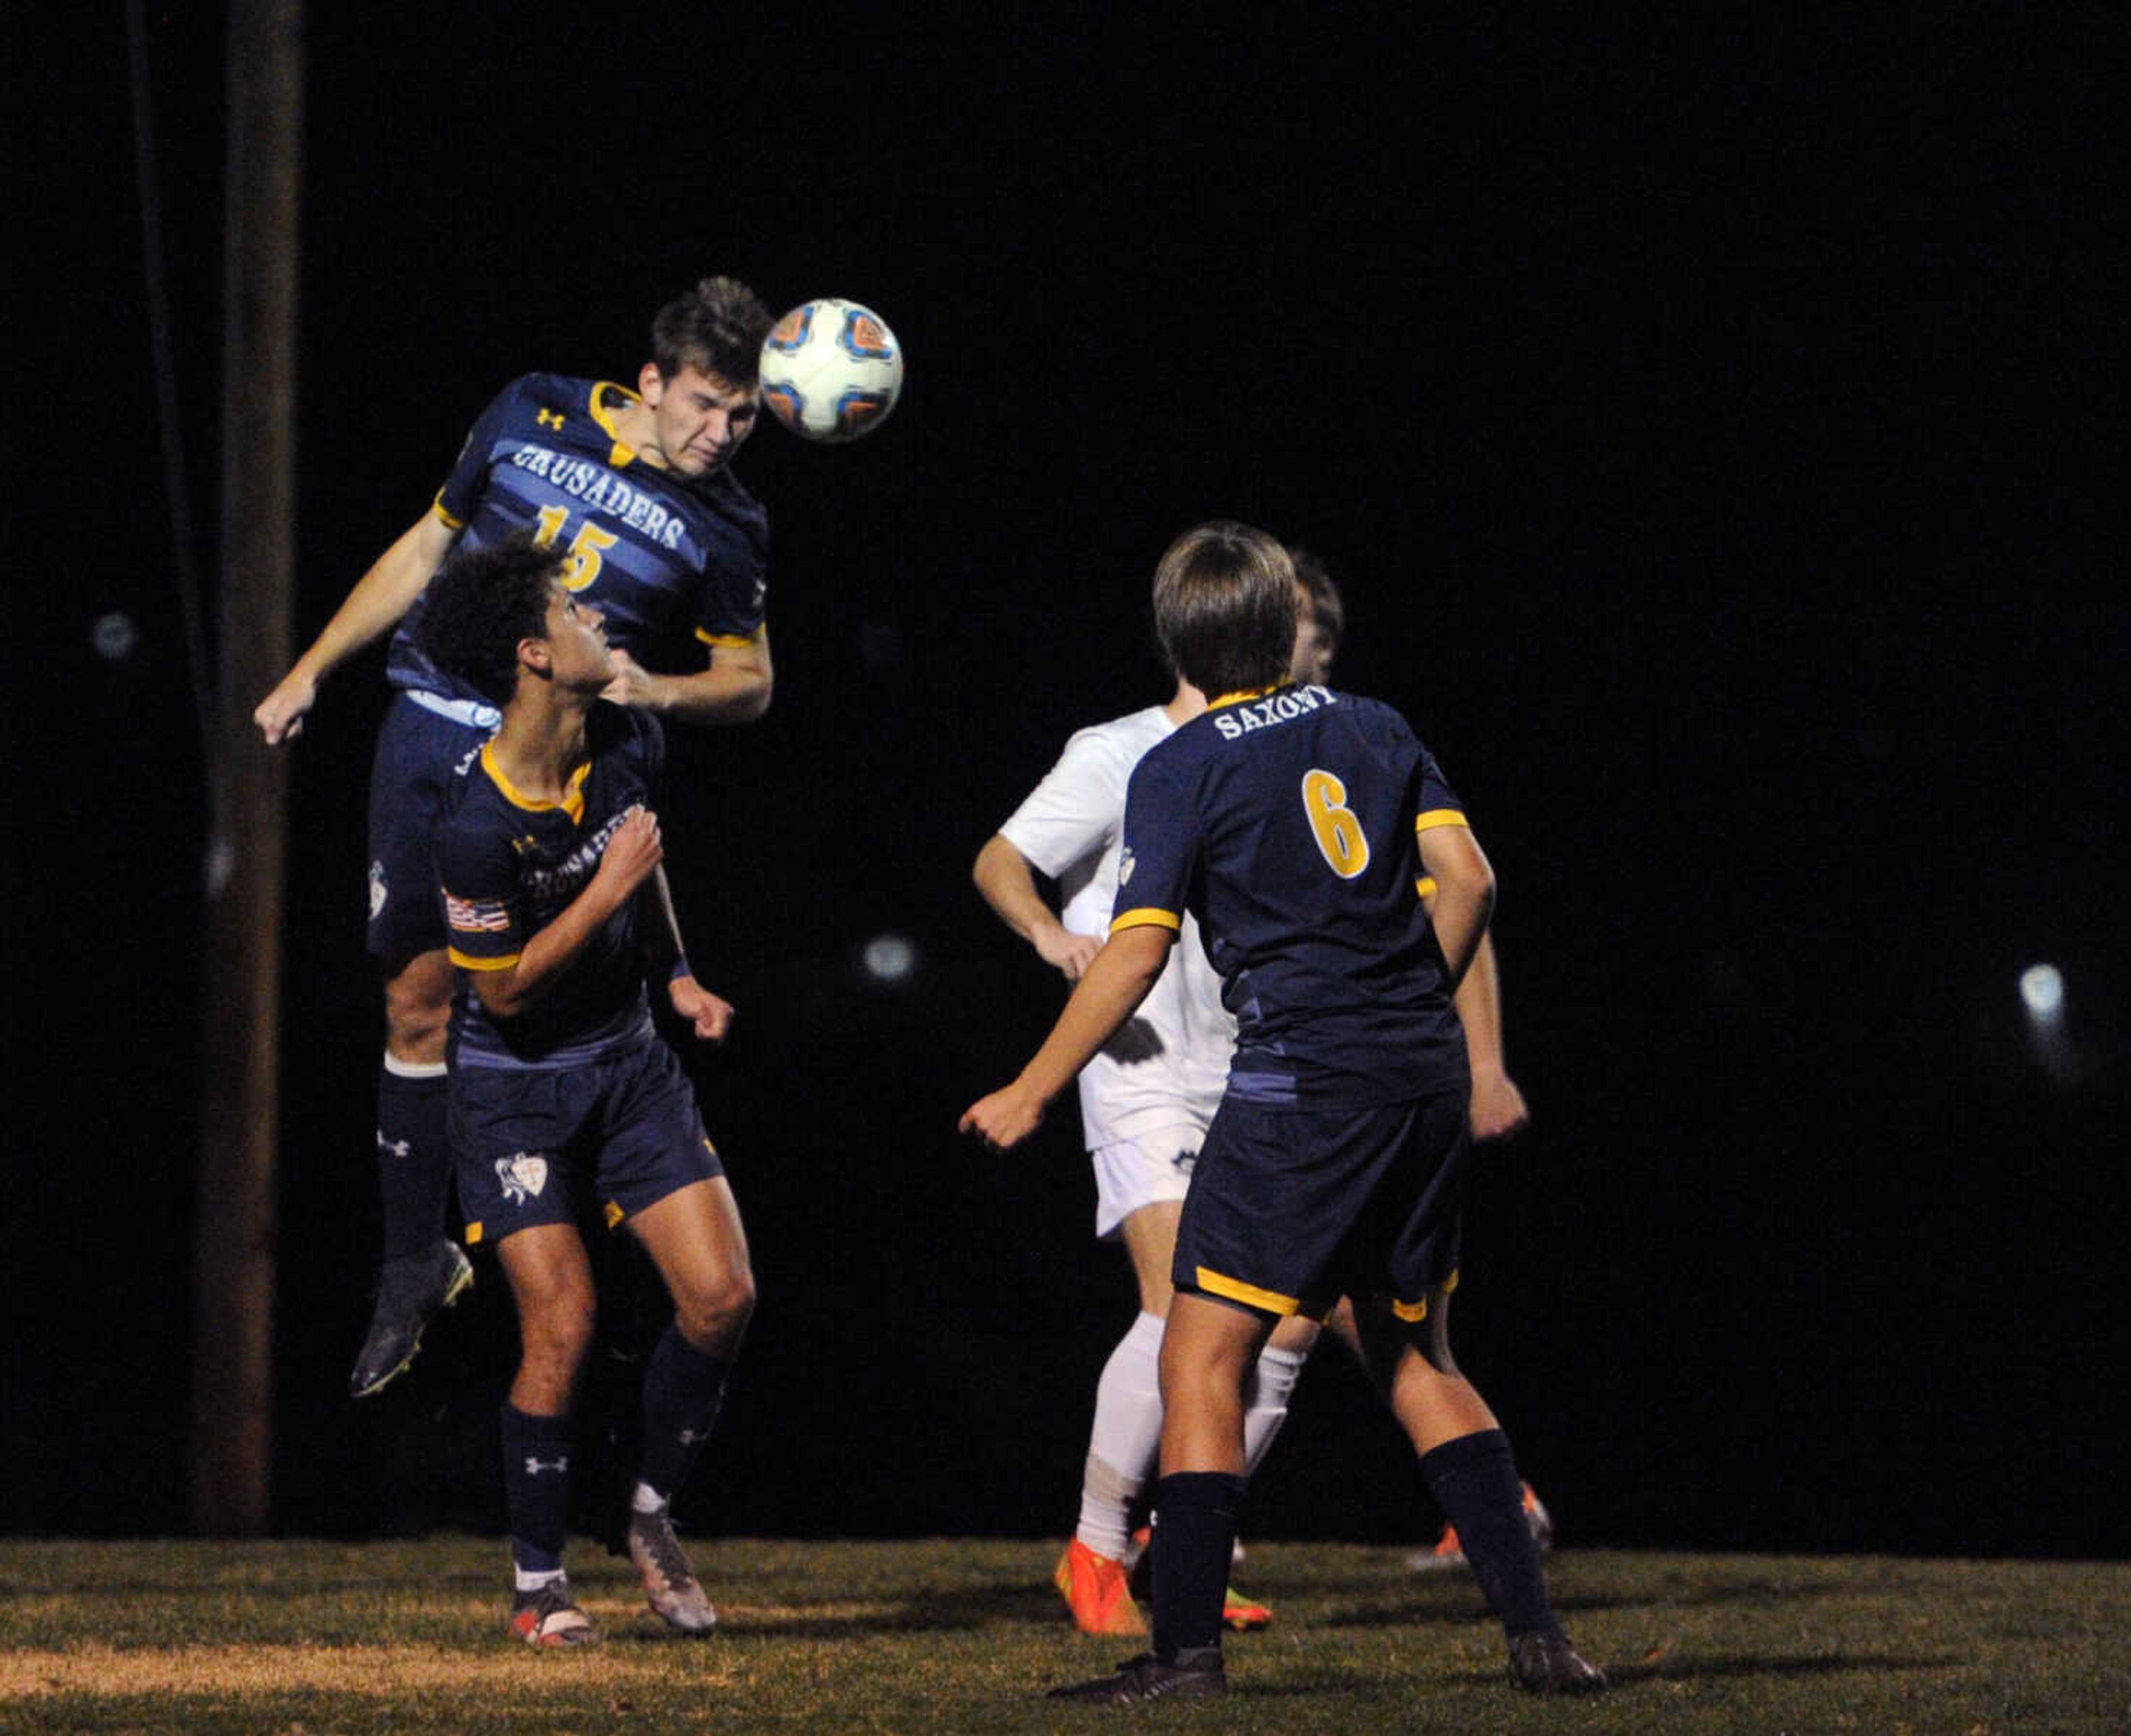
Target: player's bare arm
point(1464, 895)
point(1008, 884)
point(709, 1016)
point(1498, 1106)
point(734, 688)
point(632, 855)
point(379, 599)
point(1108, 995)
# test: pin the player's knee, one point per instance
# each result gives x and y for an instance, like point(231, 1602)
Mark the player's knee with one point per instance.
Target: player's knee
point(713, 1314)
point(418, 1008)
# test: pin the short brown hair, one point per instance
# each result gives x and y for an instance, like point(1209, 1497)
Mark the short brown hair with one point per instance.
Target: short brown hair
point(1225, 601)
point(717, 328)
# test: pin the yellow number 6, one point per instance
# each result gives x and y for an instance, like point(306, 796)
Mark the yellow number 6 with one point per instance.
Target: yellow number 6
point(1334, 825)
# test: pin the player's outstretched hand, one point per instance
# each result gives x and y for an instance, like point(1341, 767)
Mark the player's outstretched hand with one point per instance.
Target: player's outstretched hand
point(1003, 1120)
point(1498, 1106)
point(709, 1014)
point(631, 854)
point(279, 715)
point(631, 684)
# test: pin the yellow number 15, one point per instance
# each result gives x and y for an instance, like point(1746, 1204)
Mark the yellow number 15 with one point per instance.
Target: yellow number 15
point(1334, 825)
point(585, 547)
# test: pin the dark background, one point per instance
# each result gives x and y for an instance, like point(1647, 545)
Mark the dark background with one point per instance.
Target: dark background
point(1719, 435)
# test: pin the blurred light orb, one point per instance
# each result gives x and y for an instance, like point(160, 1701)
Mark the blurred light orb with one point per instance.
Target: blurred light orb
point(114, 636)
point(890, 959)
point(2042, 991)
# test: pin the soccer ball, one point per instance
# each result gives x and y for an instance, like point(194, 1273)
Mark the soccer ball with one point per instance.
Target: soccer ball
point(831, 370)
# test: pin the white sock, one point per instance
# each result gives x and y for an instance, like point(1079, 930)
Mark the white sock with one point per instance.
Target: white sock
point(532, 1579)
point(1265, 1404)
point(1126, 1439)
point(647, 1499)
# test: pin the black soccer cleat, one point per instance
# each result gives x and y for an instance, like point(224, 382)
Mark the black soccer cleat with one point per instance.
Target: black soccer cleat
point(1546, 1663)
point(410, 1291)
point(1193, 1677)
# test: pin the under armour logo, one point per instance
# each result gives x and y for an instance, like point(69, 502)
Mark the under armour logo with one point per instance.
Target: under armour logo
point(550, 418)
point(533, 1466)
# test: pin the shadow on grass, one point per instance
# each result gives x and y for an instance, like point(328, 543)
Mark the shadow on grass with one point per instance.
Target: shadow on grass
point(931, 1610)
point(1704, 1669)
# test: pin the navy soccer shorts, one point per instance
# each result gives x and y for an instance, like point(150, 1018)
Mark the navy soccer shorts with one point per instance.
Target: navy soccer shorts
point(1290, 1209)
point(529, 1142)
point(419, 747)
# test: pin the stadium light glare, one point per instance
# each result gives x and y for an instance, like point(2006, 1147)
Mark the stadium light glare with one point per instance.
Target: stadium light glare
point(114, 636)
point(889, 960)
point(2042, 993)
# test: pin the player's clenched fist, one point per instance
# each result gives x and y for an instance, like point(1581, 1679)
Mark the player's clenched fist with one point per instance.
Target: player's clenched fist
point(632, 852)
point(1004, 1119)
point(279, 715)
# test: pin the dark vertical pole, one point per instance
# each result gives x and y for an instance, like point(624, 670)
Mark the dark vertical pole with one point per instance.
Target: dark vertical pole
point(233, 1386)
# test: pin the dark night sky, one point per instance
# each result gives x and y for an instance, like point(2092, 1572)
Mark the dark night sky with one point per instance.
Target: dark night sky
point(1714, 436)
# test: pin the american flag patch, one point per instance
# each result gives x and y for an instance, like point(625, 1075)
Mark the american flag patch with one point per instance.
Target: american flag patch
point(476, 916)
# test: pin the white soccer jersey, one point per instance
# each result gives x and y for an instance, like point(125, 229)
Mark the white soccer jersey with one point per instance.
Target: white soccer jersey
point(1170, 1062)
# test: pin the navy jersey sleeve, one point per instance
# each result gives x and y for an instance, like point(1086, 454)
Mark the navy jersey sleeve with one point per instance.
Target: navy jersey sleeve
point(1161, 857)
point(733, 602)
point(483, 916)
point(645, 743)
point(463, 488)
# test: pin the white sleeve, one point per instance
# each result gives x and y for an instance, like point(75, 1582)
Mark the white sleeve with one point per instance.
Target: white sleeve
point(1076, 811)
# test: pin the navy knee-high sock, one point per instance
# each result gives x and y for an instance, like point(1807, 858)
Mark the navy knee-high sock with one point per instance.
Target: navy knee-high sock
point(1196, 1516)
point(1474, 1479)
point(413, 1156)
point(537, 1451)
point(682, 1389)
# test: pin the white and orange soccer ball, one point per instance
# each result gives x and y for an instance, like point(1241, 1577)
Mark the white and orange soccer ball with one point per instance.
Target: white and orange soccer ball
point(831, 370)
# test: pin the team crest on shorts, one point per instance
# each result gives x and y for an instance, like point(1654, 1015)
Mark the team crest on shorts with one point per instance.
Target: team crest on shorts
point(522, 1175)
point(376, 890)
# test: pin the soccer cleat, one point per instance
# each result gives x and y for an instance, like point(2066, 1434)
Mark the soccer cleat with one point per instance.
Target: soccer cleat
point(410, 1290)
point(670, 1585)
point(1447, 1553)
point(1095, 1589)
point(1546, 1663)
point(1243, 1614)
point(549, 1618)
point(1147, 1677)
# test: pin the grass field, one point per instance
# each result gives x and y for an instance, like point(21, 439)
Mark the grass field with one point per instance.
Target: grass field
point(947, 1636)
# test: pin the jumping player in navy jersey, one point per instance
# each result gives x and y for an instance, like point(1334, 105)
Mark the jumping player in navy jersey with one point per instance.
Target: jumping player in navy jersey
point(1343, 897)
point(668, 544)
point(549, 862)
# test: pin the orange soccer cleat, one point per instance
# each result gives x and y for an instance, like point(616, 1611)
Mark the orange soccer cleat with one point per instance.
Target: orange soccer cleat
point(1095, 1589)
point(1448, 1552)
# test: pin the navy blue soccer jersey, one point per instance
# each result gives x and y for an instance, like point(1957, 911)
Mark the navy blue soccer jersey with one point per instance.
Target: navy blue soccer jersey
point(673, 564)
point(1288, 822)
point(509, 866)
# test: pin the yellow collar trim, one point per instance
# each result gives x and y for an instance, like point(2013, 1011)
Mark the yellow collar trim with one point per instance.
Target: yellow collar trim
point(605, 413)
point(1253, 692)
point(572, 802)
